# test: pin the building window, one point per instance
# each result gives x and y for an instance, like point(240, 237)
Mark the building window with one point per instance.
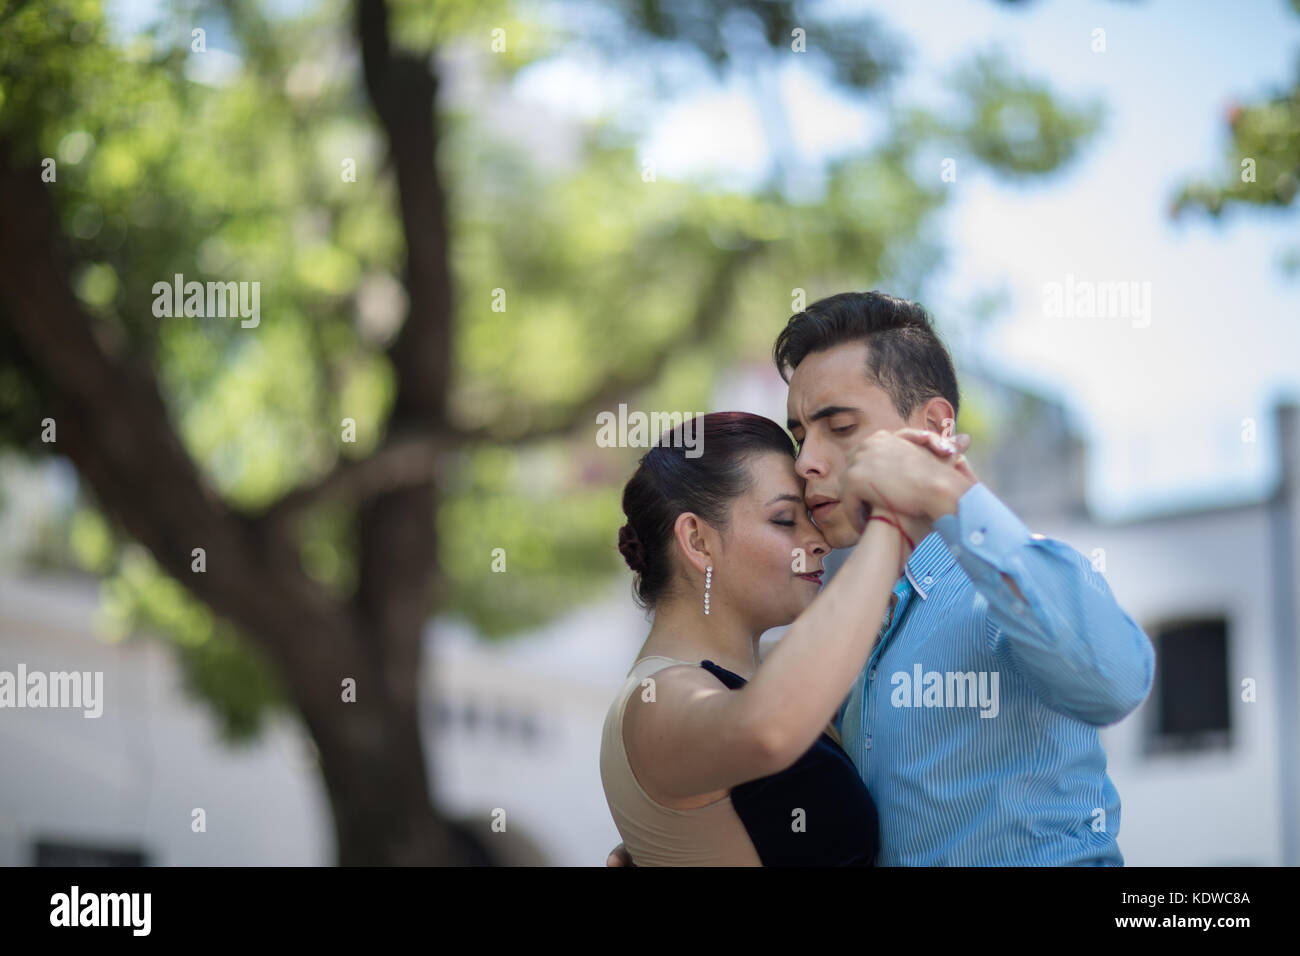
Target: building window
point(56, 853)
point(444, 714)
point(505, 723)
point(1190, 695)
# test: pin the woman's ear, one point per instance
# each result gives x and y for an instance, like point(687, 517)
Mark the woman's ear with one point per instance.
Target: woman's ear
point(692, 536)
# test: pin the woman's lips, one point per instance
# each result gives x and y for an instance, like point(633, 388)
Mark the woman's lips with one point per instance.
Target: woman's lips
point(823, 508)
point(814, 576)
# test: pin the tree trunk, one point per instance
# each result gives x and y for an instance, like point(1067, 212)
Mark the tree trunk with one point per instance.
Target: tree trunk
point(113, 425)
point(373, 764)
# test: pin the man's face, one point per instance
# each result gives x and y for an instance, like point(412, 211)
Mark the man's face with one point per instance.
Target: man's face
point(831, 407)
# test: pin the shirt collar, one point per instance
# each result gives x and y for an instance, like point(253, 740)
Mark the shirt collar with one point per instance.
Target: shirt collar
point(929, 562)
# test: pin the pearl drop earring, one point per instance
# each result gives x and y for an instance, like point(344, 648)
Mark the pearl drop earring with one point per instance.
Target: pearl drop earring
point(708, 582)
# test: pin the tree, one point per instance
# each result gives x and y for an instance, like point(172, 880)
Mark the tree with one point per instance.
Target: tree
point(125, 164)
point(1263, 159)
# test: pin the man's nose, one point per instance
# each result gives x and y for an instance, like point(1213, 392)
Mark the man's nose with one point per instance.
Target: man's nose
point(809, 464)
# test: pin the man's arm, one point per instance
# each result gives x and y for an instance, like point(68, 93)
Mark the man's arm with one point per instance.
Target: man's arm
point(1049, 614)
point(1048, 610)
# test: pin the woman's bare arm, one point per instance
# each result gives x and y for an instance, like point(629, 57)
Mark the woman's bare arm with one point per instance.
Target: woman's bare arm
point(695, 737)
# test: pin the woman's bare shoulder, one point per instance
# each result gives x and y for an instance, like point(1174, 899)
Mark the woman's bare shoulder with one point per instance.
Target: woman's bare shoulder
point(675, 683)
point(641, 738)
point(682, 676)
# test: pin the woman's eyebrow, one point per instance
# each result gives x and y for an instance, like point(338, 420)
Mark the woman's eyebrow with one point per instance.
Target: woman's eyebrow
point(796, 498)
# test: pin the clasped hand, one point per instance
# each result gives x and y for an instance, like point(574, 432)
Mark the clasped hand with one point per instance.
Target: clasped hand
point(912, 476)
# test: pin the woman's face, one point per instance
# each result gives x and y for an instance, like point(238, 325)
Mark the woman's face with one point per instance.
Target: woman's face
point(770, 567)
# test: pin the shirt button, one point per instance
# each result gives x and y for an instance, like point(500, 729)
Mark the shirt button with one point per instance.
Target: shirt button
point(977, 538)
point(867, 743)
point(927, 580)
point(1019, 607)
point(871, 674)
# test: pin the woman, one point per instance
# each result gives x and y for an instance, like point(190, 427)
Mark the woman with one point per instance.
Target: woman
point(708, 758)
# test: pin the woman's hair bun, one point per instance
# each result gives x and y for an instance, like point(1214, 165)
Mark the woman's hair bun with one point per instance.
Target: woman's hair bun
point(629, 545)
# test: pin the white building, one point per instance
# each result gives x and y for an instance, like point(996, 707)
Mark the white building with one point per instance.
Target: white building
point(124, 786)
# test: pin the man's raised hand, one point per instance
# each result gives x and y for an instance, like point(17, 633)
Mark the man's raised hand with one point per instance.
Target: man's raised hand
point(943, 447)
point(911, 475)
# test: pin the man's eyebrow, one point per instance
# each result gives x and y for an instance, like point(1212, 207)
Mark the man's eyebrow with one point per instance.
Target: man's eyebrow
point(825, 412)
point(798, 499)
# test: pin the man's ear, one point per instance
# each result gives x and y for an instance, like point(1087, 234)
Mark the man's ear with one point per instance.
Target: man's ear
point(937, 416)
point(691, 535)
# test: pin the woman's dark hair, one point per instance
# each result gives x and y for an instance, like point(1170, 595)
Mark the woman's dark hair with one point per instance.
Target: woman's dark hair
point(905, 356)
point(668, 481)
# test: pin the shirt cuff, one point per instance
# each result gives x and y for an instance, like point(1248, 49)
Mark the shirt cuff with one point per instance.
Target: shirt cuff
point(984, 527)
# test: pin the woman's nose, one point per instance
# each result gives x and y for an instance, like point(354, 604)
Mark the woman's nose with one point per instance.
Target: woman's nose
point(818, 546)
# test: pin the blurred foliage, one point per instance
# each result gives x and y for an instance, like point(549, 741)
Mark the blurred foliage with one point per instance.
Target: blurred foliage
point(854, 48)
point(217, 664)
point(1267, 132)
point(1008, 122)
point(227, 167)
point(1262, 162)
point(1013, 123)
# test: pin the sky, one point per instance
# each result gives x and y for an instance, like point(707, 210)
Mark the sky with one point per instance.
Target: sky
point(1164, 403)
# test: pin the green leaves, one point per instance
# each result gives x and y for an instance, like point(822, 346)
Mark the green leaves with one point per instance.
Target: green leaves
point(1015, 124)
point(578, 278)
point(1262, 166)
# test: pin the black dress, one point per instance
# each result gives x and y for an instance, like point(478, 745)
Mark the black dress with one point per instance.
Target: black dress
point(838, 826)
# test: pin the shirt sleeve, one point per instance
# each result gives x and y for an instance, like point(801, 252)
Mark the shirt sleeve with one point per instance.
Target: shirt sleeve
point(1080, 651)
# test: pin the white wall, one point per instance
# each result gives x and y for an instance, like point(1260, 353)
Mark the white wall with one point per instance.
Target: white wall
point(1217, 807)
point(130, 778)
point(565, 676)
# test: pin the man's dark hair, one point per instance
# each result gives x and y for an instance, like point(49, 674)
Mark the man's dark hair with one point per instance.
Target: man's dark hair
point(905, 355)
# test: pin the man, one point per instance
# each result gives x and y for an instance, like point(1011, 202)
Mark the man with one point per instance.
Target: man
point(975, 722)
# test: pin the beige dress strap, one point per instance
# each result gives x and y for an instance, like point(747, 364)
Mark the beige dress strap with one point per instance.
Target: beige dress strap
point(659, 657)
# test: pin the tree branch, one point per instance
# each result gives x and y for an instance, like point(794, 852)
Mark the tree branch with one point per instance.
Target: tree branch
point(403, 90)
point(111, 421)
point(705, 319)
point(401, 463)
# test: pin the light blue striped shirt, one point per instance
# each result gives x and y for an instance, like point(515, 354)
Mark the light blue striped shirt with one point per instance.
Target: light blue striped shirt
point(974, 723)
